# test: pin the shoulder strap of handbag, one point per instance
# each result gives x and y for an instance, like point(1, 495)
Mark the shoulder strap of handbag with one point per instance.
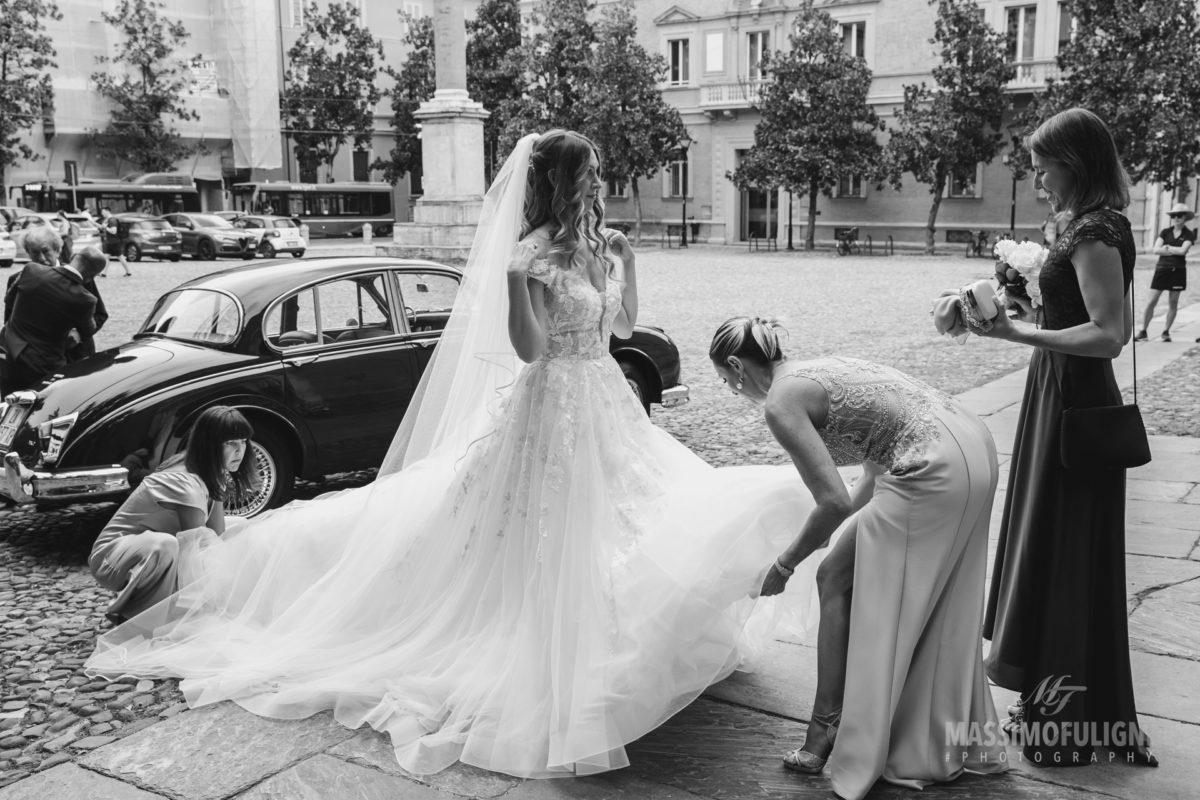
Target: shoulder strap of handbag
point(1133, 341)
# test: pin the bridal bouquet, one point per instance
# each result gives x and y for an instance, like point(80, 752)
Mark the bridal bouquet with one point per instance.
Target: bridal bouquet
point(1018, 267)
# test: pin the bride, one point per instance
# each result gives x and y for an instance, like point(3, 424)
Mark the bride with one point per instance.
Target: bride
point(538, 576)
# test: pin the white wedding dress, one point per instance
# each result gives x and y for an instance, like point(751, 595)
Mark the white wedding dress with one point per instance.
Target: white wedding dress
point(529, 604)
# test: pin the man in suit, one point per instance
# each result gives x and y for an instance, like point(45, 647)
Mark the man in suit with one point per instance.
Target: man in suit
point(49, 303)
point(42, 246)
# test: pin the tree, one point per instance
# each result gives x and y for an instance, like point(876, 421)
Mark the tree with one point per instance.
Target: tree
point(331, 92)
point(148, 92)
point(26, 91)
point(945, 132)
point(625, 115)
point(413, 85)
point(816, 124)
point(555, 63)
point(494, 74)
point(1133, 62)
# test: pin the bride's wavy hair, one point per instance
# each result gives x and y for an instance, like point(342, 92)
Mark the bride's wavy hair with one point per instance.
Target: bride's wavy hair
point(554, 194)
point(753, 338)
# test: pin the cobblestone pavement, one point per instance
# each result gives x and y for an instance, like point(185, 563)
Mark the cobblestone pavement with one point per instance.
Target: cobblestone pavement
point(873, 308)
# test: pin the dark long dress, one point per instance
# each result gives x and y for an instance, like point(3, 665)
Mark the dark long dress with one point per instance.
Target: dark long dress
point(1056, 606)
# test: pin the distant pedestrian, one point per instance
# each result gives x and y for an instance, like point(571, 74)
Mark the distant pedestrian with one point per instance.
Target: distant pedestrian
point(111, 240)
point(1170, 273)
point(48, 305)
point(137, 553)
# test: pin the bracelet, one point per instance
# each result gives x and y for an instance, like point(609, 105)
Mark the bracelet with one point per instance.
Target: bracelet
point(782, 570)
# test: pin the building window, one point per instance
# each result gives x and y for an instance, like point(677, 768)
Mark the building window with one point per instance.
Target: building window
point(678, 55)
point(1022, 28)
point(850, 186)
point(758, 44)
point(296, 7)
point(964, 185)
point(676, 175)
point(1066, 25)
point(714, 51)
point(412, 11)
point(616, 188)
point(362, 165)
point(854, 38)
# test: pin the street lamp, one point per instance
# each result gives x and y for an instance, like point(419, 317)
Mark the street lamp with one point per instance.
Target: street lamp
point(1008, 161)
point(685, 184)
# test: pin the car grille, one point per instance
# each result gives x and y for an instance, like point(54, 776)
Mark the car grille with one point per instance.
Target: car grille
point(14, 415)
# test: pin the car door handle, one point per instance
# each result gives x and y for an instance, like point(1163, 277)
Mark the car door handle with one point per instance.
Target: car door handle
point(300, 361)
point(426, 342)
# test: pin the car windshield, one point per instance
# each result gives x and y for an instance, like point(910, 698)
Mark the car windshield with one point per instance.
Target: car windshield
point(153, 225)
point(210, 221)
point(195, 315)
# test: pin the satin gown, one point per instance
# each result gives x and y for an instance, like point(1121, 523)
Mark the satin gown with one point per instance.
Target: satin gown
point(917, 708)
point(528, 606)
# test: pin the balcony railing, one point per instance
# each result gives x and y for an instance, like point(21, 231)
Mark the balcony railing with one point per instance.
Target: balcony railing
point(742, 94)
point(1032, 74)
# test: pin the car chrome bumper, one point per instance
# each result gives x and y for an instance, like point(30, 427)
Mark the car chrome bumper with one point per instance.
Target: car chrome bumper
point(675, 396)
point(21, 484)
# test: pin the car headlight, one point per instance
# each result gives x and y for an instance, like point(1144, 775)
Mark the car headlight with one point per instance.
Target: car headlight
point(53, 435)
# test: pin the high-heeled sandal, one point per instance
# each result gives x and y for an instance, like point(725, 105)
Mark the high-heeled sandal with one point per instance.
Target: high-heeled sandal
point(806, 763)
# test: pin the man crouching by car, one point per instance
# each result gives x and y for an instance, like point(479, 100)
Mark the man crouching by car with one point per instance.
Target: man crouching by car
point(49, 303)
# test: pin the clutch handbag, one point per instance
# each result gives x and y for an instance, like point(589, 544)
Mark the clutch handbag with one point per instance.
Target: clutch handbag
point(1105, 437)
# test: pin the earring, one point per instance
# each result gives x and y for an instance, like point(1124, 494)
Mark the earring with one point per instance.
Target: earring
point(739, 386)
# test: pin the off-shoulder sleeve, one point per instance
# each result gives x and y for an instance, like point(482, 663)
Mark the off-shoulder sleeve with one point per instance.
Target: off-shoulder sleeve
point(542, 270)
point(178, 488)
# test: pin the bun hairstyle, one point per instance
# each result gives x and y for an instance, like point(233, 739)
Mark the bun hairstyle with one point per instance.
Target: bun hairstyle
point(557, 166)
point(1080, 141)
point(753, 338)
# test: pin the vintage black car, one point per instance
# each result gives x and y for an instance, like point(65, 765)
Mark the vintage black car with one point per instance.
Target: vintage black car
point(207, 236)
point(323, 356)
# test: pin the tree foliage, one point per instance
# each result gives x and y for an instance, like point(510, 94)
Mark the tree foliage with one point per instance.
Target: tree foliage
point(556, 64)
point(816, 124)
point(26, 91)
point(413, 85)
point(1133, 62)
point(494, 73)
point(624, 112)
point(947, 130)
point(331, 92)
point(146, 88)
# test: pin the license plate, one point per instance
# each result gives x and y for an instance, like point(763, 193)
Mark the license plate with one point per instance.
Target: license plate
point(8, 426)
point(164, 247)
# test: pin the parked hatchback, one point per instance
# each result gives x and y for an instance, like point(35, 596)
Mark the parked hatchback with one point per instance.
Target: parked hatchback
point(277, 234)
point(146, 236)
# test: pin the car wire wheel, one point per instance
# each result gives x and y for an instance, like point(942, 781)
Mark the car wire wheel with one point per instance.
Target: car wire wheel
point(258, 500)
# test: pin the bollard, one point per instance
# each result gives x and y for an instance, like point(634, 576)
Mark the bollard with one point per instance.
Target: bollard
point(367, 233)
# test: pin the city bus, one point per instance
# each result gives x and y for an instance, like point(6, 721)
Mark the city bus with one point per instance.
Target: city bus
point(154, 193)
point(328, 209)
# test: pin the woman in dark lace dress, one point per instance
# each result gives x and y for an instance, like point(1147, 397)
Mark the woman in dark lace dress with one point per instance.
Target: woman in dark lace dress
point(1056, 612)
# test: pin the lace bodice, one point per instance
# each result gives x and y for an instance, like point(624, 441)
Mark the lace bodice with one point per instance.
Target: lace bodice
point(1061, 296)
point(876, 413)
point(580, 317)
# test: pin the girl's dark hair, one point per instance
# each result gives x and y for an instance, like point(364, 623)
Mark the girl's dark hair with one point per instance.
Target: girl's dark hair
point(205, 454)
point(559, 161)
point(1080, 141)
point(753, 338)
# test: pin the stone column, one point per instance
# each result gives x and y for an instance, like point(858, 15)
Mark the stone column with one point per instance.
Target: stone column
point(451, 152)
